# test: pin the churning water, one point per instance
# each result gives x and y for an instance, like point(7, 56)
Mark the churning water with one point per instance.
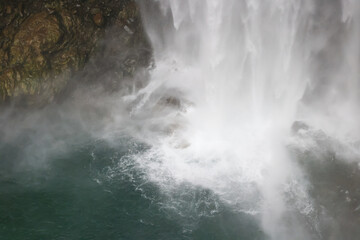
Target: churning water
point(255, 84)
point(248, 128)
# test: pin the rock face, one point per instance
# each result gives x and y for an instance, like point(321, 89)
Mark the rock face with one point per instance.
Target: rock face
point(44, 44)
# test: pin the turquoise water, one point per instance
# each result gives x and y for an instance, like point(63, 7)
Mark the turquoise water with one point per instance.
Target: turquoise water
point(92, 190)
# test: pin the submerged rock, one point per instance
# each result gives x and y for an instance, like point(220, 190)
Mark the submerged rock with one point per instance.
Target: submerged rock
point(44, 44)
point(298, 126)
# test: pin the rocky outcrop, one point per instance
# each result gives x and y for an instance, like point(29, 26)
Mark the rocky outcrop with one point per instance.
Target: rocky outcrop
point(45, 44)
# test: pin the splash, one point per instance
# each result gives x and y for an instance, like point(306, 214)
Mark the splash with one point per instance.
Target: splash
point(231, 78)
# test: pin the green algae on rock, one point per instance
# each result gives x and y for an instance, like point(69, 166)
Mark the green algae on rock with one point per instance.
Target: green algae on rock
point(44, 43)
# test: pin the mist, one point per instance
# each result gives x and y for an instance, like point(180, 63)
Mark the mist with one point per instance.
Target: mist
point(270, 92)
point(247, 105)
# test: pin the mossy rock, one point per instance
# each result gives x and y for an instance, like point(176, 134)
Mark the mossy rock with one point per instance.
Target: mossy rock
point(44, 44)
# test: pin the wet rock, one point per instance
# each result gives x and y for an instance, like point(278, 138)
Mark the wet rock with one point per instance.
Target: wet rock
point(298, 126)
point(95, 11)
point(45, 45)
point(8, 10)
point(98, 19)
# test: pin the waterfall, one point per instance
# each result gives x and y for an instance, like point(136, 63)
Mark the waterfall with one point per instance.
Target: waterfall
point(245, 124)
point(233, 82)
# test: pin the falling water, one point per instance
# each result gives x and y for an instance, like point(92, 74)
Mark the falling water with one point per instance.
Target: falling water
point(246, 126)
point(237, 86)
